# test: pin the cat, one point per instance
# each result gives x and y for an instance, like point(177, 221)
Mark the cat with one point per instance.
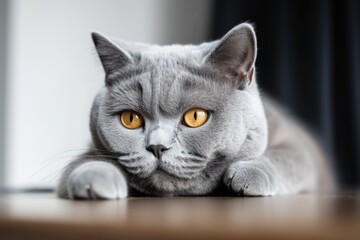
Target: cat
point(189, 120)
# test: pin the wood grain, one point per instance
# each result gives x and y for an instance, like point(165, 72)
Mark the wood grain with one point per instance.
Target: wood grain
point(43, 216)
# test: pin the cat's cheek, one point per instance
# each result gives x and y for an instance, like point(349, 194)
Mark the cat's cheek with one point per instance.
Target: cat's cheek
point(199, 140)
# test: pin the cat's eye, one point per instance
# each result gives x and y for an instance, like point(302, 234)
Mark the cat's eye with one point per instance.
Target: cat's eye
point(195, 117)
point(131, 119)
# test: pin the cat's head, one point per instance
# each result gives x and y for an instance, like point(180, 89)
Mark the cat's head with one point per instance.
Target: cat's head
point(179, 114)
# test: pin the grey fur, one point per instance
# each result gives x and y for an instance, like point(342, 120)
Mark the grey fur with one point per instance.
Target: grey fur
point(248, 146)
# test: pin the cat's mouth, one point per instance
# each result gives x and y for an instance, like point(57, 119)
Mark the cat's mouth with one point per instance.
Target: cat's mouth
point(168, 168)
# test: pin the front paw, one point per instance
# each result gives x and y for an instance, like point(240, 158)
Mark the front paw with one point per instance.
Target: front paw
point(250, 178)
point(96, 180)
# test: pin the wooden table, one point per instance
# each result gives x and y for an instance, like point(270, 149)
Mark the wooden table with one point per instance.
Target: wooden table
point(43, 216)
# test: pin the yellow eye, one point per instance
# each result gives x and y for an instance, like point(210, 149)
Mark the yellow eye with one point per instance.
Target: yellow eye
point(195, 117)
point(131, 119)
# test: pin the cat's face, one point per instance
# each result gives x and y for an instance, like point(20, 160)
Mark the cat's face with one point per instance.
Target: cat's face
point(179, 115)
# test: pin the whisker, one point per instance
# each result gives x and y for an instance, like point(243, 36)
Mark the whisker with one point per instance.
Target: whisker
point(56, 175)
point(46, 166)
point(146, 167)
point(194, 167)
point(70, 158)
point(96, 156)
point(129, 159)
point(129, 165)
point(192, 160)
point(196, 158)
point(73, 150)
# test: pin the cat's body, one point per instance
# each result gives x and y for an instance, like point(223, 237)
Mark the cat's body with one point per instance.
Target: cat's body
point(246, 145)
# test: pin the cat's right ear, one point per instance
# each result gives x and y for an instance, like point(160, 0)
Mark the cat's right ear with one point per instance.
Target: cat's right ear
point(112, 56)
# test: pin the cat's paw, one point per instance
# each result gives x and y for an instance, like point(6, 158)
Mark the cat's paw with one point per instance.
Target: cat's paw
point(250, 179)
point(96, 180)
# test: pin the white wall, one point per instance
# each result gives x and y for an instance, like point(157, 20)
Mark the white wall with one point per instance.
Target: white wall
point(53, 73)
point(3, 42)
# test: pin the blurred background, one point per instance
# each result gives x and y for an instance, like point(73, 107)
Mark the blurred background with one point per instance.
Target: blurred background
point(308, 59)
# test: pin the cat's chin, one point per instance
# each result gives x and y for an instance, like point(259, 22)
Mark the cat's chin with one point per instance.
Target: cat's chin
point(165, 179)
point(163, 183)
point(165, 173)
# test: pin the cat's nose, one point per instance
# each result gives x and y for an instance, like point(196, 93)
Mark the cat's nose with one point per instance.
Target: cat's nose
point(157, 150)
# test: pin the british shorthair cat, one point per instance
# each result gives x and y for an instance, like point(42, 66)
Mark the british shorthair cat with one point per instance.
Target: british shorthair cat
point(185, 120)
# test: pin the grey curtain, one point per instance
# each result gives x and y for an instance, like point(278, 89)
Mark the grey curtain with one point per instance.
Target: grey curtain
point(309, 60)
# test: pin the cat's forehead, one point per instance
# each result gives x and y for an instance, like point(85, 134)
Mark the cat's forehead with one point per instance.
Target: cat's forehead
point(168, 85)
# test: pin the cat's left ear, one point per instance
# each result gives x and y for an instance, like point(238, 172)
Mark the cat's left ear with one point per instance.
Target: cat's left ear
point(234, 54)
point(112, 56)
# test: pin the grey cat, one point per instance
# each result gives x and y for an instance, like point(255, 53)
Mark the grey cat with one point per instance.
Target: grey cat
point(185, 120)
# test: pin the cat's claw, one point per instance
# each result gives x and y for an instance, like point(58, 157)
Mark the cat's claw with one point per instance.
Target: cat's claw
point(249, 179)
point(96, 180)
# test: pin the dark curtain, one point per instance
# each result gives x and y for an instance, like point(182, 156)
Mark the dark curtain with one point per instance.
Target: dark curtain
point(309, 60)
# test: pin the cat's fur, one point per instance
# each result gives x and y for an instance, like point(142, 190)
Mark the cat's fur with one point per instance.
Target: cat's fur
point(248, 146)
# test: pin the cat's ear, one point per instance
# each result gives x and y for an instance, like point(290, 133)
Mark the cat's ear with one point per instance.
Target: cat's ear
point(111, 55)
point(234, 54)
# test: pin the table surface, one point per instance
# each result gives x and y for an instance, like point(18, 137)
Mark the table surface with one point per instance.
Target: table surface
point(43, 216)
